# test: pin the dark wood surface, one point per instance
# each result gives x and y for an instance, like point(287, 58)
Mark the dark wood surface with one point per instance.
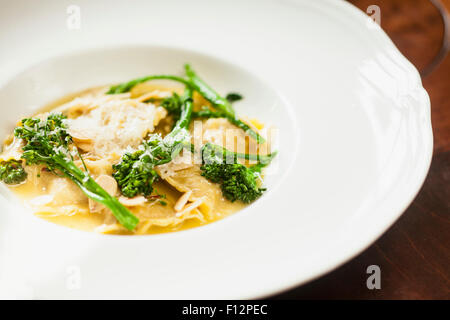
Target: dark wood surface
point(414, 254)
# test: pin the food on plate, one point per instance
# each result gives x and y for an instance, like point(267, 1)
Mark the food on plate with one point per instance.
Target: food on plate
point(155, 154)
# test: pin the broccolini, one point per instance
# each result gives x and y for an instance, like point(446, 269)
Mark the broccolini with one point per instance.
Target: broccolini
point(237, 181)
point(12, 172)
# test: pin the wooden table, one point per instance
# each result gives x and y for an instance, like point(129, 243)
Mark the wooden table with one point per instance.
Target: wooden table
point(414, 254)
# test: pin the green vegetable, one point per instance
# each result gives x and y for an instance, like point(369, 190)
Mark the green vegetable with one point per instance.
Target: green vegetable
point(208, 93)
point(215, 153)
point(135, 172)
point(233, 96)
point(47, 142)
point(237, 181)
point(173, 105)
point(12, 172)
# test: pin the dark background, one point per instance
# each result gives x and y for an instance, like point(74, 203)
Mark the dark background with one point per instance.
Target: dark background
point(414, 254)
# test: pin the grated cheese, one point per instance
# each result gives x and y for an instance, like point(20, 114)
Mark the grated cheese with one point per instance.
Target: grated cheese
point(113, 126)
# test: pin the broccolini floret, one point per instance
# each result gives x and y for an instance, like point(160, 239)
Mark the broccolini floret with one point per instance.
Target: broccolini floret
point(135, 174)
point(12, 172)
point(237, 181)
point(233, 97)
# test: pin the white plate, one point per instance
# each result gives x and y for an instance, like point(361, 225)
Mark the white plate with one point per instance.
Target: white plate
point(355, 141)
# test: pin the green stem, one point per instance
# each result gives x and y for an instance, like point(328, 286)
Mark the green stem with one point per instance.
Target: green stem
point(127, 86)
point(94, 191)
point(208, 93)
point(186, 112)
point(225, 153)
point(179, 134)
